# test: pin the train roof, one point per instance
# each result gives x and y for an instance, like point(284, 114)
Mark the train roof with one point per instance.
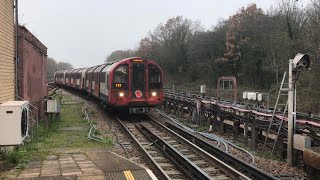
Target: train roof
point(101, 66)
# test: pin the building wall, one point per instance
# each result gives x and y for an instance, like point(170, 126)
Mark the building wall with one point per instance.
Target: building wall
point(32, 70)
point(7, 45)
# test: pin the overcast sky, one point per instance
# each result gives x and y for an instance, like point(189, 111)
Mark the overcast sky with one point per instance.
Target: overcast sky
point(84, 32)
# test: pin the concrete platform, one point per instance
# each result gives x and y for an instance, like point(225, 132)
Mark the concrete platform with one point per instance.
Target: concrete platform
point(97, 165)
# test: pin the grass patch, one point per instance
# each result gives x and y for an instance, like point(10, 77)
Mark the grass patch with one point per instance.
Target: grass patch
point(266, 155)
point(52, 140)
point(203, 128)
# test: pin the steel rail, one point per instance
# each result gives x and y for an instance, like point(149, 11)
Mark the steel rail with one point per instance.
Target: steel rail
point(151, 161)
point(224, 167)
point(242, 166)
point(190, 168)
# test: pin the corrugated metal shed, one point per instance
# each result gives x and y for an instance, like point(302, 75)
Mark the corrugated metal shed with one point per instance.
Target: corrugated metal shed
point(7, 50)
point(32, 69)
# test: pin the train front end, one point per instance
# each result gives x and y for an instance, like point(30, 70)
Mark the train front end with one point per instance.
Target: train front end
point(137, 85)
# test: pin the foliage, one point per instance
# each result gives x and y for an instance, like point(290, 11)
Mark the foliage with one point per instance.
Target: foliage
point(53, 66)
point(252, 45)
point(119, 55)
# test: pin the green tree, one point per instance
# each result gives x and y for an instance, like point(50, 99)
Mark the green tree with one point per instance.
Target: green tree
point(64, 66)
point(119, 55)
point(51, 67)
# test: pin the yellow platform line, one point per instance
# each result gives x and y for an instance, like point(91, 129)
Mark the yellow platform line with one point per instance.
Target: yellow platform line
point(128, 175)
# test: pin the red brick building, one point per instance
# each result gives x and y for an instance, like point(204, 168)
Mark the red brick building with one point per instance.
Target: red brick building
point(32, 69)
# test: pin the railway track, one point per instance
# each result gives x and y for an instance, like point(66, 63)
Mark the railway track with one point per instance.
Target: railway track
point(163, 145)
point(240, 165)
point(174, 157)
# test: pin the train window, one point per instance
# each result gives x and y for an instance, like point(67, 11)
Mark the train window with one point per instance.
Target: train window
point(96, 76)
point(103, 77)
point(121, 74)
point(107, 80)
point(154, 77)
point(138, 76)
point(90, 76)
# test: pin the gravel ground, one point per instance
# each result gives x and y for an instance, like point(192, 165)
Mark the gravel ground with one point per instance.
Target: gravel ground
point(108, 127)
point(272, 166)
point(4, 167)
point(124, 147)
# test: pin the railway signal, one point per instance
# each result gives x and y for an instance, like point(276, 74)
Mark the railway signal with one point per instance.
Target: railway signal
point(300, 63)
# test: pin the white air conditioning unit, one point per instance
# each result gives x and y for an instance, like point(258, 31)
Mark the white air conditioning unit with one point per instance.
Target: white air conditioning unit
point(13, 122)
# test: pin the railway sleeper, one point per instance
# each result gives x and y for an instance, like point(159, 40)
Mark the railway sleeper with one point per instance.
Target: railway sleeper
point(212, 170)
point(190, 156)
point(173, 172)
point(172, 142)
point(166, 138)
point(159, 159)
point(166, 165)
point(148, 147)
point(176, 145)
point(200, 162)
point(221, 177)
point(162, 160)
point(185, 151)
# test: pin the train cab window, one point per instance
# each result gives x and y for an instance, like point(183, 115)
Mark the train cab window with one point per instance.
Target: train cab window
point(121, 76)
point(154, 77)
point(138, 76)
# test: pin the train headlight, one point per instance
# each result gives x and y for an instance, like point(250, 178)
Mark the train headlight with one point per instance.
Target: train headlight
point(121, 94)
point(154, 93)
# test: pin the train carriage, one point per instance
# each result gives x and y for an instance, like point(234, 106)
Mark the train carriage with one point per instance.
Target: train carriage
point(132, 83)
point(76, 78)
point(64, 77)
point(96, 80)
point(82, 78)
point(56, 76)
point(89, 78)
point(68, 77)
point(73, 78)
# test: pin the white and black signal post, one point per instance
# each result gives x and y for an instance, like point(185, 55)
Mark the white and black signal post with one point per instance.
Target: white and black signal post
point(298, 64)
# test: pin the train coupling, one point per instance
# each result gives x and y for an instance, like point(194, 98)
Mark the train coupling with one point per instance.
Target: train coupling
point(138, 110)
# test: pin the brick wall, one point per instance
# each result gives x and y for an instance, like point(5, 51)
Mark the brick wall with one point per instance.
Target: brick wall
point(7, 45)
point(32, 71)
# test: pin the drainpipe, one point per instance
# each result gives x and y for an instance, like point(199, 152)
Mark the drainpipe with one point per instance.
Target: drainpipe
point(16, 51)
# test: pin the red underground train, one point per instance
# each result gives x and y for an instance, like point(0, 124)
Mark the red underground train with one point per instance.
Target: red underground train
point(133, 83)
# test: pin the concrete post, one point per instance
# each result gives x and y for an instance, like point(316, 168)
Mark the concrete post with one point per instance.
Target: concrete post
point(280, 146)
point(221, 128)
point(253, 135)
point(236, 125)
point(290, 118)
point(176, 106)
point(246, 132)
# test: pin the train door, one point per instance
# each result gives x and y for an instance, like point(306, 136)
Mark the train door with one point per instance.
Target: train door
point(138, 88)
